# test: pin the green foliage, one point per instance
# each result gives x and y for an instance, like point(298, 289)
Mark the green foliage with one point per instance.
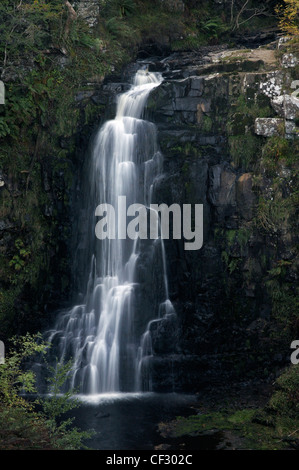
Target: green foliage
point(285, 303)
point(244, 112)
point(230, 236)
point(29, 25)
point(13, 379)
point(288, 15)
point(285, 400)
point(212, 27)
point(121, 31)
point(120, 8)
point(273, 213)
point(21, 430)
point(244, 150)
point(207, 124)
point(19, 260)
point(243, 235)
point(231, 263)
point(276, 219)
point(279, 150)
point(201, 26)
point(4, 128)
point(244, 145)
point(196, 424)
point(45, 428)
point(62, 433)
point(185, 150)
point(39, 110)
point(246, 427)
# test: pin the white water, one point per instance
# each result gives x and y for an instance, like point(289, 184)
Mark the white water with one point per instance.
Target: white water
point(100, 335)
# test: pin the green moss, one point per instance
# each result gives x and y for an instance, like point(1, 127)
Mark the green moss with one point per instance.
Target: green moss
point(231, 263)
point(230, 237)
point(207, 124)
point(91, 112)
point(242, 424)
point(243, 235)
point(190, 150)
point(184, 150)
point(245, 110)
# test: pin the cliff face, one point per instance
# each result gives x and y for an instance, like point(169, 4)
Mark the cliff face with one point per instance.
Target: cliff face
point(227, 130)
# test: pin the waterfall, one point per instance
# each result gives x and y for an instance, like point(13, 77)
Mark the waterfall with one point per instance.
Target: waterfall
point(108, 335)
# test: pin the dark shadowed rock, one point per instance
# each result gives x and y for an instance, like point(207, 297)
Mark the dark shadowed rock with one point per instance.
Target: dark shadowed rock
point(245, 196)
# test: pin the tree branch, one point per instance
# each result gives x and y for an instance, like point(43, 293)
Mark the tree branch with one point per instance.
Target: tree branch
point(256, 13)
point(72, 16)
point(232, 11)
point(239, 14)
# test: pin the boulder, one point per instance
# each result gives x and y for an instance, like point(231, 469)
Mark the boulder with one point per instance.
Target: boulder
point(289, 60)
point(291, 107)
point(245, 196)
point(268, 127)
point(291, 129)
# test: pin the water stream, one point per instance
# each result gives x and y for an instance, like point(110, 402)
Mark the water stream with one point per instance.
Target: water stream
point(108, 334)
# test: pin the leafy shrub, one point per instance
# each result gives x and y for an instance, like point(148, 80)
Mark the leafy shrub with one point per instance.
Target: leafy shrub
point(244, 150)
point(277, 150)
point(35, 429)
point(13, 378)
point(285, 400)
point(289, 17)
point(62, 432)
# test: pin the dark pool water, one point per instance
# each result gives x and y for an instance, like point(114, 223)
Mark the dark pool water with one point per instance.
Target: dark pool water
point(129, 421)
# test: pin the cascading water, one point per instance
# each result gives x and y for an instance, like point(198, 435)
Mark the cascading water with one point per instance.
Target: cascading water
point(108, 335)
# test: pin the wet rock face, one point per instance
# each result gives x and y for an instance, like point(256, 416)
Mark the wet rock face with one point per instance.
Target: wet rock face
point(212, 122)
point(245, 196)
point(222, 192)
